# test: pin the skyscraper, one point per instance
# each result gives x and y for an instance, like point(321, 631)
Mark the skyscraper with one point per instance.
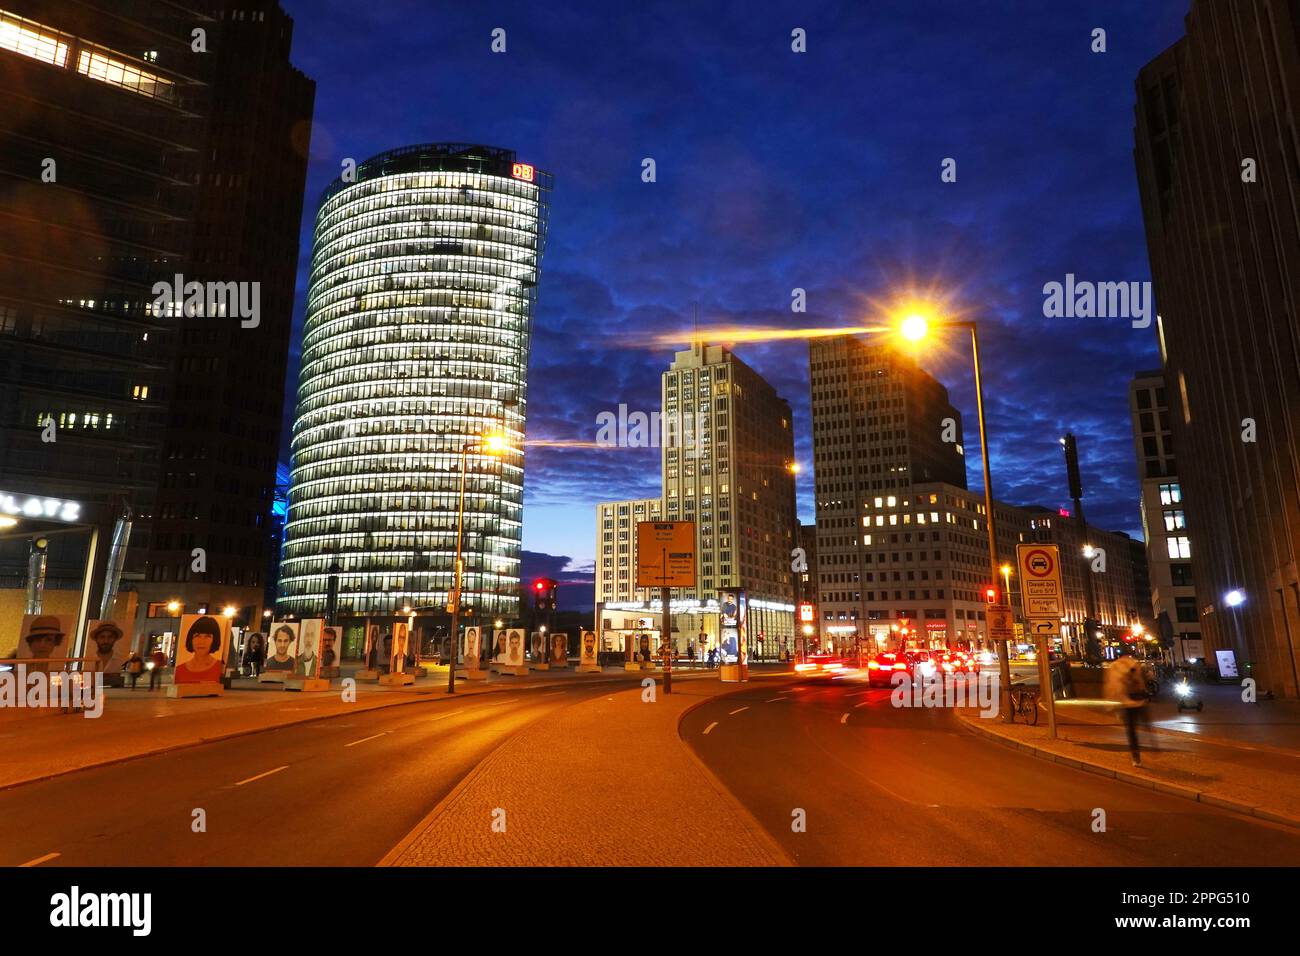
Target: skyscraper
point(1218, 161)
point(142, 141)
point(1164, 518)
point(419, 315)
point(726, 466)
point(879, 424)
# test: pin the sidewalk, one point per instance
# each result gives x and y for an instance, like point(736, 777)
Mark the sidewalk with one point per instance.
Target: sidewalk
point(614, 771)
point(1243, 757)
point(38, 745)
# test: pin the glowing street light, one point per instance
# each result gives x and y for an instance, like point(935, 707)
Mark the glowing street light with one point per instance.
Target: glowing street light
point(228, 610)
point(173, 606)
point(1234, 598)
point(914, 327)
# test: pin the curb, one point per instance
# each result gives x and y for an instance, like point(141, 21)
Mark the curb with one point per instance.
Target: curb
point(1146, 783)
point(414, 699)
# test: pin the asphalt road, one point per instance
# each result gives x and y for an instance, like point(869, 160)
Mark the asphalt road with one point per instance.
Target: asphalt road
point(885, 786)
point(335, 792)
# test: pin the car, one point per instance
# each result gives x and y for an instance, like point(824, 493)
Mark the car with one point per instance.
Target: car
point(820, 663)
point(882, 668)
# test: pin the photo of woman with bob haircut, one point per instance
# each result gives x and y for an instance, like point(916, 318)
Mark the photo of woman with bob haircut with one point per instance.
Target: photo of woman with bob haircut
point(199, 658)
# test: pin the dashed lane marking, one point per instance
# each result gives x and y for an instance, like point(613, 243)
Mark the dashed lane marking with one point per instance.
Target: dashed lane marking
point(364, 739)
point(261, 775)
point(710, 727)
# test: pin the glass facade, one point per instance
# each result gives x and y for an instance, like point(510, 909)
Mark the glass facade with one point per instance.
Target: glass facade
point(419, 314)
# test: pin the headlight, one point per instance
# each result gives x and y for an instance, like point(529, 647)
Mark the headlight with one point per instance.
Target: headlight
point(1183, 689)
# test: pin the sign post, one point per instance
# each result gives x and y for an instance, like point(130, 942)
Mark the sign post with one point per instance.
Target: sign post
point(665, 558)
point(1043, 599)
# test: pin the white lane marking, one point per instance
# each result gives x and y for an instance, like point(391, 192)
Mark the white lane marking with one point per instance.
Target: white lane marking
point(844, 719)
point(261, 775)
point(364, 739)
point(710, 727)
point(865, 703)
point(498, 703)
point(774, 700)
point(737, 711)
point(552, 693)
point(40, 859)
point(444, 716)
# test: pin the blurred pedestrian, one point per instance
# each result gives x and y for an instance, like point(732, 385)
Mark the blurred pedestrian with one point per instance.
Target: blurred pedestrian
point(159, 665)
point(690, 652)
point(134, 667)
point(1125, 684)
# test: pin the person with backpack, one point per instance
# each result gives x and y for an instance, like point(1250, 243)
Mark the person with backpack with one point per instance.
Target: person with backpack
point(1125, 684)
point(134, 667)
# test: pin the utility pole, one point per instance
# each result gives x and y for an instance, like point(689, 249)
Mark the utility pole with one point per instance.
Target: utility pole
point(1071, 449)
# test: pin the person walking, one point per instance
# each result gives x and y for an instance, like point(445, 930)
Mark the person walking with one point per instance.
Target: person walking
point(159, 659)
point(134, 667)
point(1125, 684)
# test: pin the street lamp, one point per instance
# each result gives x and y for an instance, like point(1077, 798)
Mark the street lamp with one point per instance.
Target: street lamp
point(173, 607)
point(228, 611)
point(914, 327)
point(492, 444)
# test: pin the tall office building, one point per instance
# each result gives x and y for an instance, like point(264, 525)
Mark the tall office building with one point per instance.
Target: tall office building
point(419, 313)
point(616, 535)
point(1164, 518)
point(118, 145)
point(902, 545)
point(879, 424)
point(1218, 162)
point(217, 470)
point(726, 466)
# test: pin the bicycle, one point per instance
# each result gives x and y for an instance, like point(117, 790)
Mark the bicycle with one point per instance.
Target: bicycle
point(1024, 701)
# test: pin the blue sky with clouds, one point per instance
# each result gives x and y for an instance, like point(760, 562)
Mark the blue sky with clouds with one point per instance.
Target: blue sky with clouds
point(779, 170)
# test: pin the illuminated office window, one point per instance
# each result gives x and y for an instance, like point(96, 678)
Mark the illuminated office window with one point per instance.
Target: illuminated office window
point(31, 39)
point(99, 65)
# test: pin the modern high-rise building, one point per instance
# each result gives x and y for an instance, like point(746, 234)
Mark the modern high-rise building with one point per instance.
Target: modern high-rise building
point(1164, 518)
point(880, 423)
point(1217, 131)
point(142, 141)
point(220, 451)
point(727, 466)
point(616, 536)
point(902, 545)
point(419, 315)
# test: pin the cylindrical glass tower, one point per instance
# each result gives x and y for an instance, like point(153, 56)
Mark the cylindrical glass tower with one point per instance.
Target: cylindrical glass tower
point(419, 312)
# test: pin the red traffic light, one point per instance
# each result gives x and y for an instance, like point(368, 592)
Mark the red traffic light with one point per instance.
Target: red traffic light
point(540, 585)
point(991, 595)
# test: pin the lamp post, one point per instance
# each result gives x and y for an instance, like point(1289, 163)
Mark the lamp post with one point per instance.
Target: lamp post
point(493, 445)
point(915, 327)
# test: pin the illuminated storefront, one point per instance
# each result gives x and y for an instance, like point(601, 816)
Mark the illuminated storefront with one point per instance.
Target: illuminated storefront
point(419, 313)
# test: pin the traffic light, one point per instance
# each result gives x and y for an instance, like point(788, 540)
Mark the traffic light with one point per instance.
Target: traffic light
point(991, 595)
point(544, 594)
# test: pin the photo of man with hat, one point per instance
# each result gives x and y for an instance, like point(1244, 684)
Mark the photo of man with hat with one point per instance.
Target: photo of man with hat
point(106, 650)
point(42, 637)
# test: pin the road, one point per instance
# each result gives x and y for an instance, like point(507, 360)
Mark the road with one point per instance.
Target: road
point(882, 786)
point(334, 792)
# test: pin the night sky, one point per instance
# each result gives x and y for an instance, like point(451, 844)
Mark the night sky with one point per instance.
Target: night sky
point(779, 170)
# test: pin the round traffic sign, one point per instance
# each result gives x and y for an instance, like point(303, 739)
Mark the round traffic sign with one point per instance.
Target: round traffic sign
point(1039, 563)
